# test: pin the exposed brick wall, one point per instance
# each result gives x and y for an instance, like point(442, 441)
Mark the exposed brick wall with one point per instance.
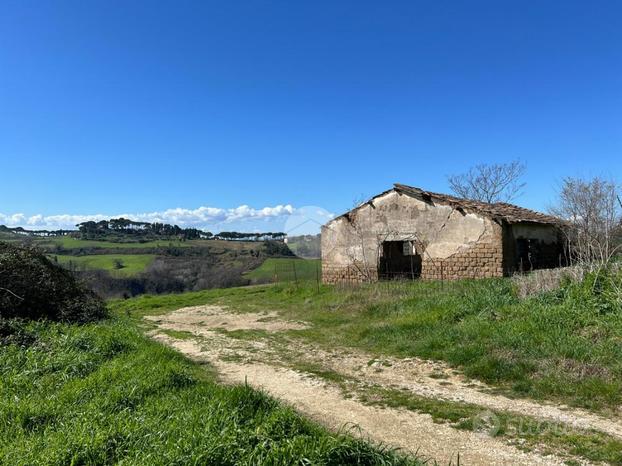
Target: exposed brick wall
point(337, 274)
point(481, 261)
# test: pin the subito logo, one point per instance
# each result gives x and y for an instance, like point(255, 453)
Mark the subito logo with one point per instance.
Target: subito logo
point(488, 422)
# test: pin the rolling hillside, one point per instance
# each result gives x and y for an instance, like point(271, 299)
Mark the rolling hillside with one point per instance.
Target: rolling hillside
point(122, 269)
point(285, 270)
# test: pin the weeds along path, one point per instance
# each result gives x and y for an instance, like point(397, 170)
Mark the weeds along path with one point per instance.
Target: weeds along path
point(345, 388)
point(411, 432)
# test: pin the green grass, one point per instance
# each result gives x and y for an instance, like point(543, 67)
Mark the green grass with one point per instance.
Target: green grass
point(5, 236)
point(68, 242)
point(132, 263)
point(219, 246)
point(562, 346)
point(105, 394)
point(178, 334)
point(285, 270)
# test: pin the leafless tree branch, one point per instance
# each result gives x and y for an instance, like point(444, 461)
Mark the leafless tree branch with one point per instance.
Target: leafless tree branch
point(592, 210)
point(11, 293)
point(490, 183)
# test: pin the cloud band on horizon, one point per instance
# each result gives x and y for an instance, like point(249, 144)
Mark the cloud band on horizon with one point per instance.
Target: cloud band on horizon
point(202, 217)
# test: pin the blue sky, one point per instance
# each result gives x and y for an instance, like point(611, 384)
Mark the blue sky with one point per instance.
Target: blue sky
point(110, 107)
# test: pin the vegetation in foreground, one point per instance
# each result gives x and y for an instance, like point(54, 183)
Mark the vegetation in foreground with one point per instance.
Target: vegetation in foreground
point(103, 393)
point(561, 345)
point(31, 286)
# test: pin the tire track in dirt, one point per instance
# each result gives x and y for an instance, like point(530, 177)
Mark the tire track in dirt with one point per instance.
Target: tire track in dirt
point(409, 431)
point(261, 362)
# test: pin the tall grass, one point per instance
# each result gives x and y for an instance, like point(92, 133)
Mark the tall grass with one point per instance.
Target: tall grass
point(103, 393)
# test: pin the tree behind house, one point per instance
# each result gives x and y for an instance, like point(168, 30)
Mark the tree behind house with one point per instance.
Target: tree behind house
point(594, 212)
point(490, 183)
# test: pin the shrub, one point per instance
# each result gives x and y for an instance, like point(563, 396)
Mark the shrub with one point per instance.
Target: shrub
point(33, 287)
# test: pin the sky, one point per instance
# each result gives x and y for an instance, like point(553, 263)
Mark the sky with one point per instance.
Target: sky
point(249, 114)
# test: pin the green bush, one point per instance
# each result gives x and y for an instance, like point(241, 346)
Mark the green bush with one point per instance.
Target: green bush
point(32, 287)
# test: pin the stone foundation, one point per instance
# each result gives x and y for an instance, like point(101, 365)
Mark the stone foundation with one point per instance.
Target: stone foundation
point(338, 274)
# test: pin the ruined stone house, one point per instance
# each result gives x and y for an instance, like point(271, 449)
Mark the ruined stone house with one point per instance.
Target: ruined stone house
point(407, 232)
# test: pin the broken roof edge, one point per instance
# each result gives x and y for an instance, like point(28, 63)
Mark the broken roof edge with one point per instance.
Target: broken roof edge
point(500, 211)
point(360, 206)
point(504, 211)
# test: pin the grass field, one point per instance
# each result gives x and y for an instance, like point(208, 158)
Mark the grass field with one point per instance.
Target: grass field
point(104, 394)
point(285, 270)
point(68, 242)
point(132, 263)
point(562, 346)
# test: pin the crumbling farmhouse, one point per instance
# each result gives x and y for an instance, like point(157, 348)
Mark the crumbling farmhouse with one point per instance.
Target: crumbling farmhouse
point(407, 232)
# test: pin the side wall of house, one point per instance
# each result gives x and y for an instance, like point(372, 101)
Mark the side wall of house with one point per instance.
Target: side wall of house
point(452, 244)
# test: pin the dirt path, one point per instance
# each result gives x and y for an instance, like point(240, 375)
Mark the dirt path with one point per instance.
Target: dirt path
point(272, 361)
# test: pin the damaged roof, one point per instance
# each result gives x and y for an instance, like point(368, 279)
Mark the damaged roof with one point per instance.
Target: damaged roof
point(499, 211)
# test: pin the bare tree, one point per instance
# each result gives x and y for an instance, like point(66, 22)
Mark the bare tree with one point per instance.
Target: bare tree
point(490, 183)
point(593, 210)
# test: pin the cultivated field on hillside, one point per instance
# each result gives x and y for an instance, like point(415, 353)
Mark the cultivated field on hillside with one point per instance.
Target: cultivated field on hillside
point(124, 265)
point(285, 270)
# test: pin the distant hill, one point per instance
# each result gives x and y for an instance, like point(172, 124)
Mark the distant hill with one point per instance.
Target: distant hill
point(129, 268)
point(307, 246)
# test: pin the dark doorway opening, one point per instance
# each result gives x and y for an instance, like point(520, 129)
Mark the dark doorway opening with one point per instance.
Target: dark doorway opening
point(399, 260)
point(525, 254)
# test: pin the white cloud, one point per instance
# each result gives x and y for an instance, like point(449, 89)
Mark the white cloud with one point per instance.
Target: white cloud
point(202, 217)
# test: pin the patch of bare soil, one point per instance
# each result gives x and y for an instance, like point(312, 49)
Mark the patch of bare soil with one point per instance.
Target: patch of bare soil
point(320, 401)
point(216, 317)
point(267, 363)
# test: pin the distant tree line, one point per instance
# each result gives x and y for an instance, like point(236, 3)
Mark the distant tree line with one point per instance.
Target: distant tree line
point(22, 231)
point(124, 227)
point(238, 236)
point(115, 227)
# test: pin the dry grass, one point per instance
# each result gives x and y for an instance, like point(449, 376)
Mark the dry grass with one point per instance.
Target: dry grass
point(540, 281)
